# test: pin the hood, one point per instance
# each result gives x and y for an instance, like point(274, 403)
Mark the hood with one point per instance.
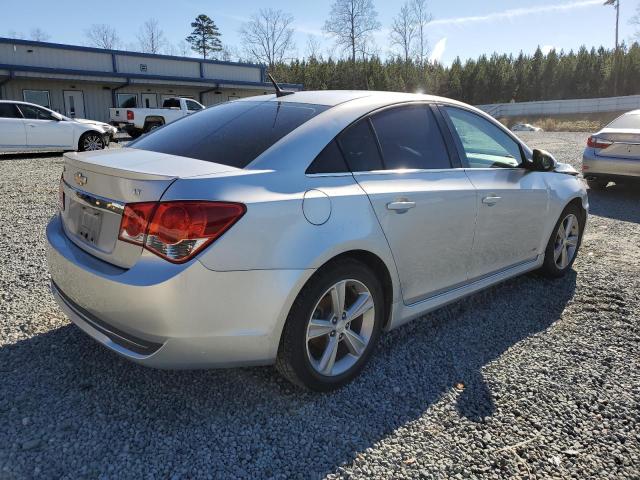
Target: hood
point(86, 121)
point(565, 168)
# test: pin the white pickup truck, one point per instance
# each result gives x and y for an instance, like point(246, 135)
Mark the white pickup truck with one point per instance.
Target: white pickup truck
point(136, 121)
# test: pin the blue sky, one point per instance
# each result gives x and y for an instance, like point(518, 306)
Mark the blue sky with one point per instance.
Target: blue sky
point(465, 28)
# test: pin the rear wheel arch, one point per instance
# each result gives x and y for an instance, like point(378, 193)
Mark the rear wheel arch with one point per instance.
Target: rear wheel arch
point(379, 268)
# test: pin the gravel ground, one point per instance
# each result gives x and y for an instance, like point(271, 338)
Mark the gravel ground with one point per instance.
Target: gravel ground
point(533, 378)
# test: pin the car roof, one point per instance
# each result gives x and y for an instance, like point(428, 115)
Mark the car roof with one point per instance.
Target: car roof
point(332, 98)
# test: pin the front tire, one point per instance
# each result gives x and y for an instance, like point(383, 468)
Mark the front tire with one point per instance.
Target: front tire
point(90, 141)
point(332, 327)
point(566, 238)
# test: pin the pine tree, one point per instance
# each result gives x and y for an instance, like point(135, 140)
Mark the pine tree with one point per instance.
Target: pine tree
point(205, 37)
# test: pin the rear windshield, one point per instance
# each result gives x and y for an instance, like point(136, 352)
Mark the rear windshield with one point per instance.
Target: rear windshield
point(628, 120)
point(233, 133)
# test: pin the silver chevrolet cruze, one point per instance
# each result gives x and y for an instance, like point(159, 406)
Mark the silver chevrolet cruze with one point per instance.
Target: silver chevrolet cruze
point(294, 230)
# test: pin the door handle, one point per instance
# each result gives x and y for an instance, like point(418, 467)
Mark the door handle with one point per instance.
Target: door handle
point(491, 200)
point(400, 206)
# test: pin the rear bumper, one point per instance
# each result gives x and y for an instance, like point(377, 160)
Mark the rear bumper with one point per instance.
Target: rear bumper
point(596, 166)
point(172, 316)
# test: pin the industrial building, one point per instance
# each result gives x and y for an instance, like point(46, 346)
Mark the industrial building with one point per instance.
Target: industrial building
point(84, 82)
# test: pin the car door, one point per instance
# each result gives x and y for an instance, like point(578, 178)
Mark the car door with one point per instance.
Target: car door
point(426, 207)
point(44, 130)
point(512, 201)
point(12, 130)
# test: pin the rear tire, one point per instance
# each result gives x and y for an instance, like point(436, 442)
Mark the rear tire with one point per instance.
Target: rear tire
point(322, 348)
point(598, 184)
point(566, 238)
point(90, 141)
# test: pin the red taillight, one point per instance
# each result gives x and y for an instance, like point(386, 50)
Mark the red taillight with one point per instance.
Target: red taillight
point(595, 142)
point(135, 219)
point(178, 230)
point(129, 114)
point(61, 193)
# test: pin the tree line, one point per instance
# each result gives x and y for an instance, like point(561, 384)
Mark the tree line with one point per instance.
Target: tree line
point(498, 78)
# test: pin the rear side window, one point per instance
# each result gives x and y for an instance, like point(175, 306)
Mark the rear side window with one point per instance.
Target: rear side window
point(9, 110)
point(171, 103)
point(628, 120)
point(360, 148)
point(329, 160)
point(410, 138)
point(232, 134)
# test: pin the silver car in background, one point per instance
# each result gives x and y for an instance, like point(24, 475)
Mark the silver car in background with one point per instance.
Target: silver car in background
point(294, 230)
point(613, 154)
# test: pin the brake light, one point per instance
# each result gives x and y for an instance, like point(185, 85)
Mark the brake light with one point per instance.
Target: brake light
point(61, 193)
point(129, 114)
point(595, 142)
point(177, 231)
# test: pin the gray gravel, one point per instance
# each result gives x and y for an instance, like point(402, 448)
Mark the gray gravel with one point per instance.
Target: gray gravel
point(531, 378)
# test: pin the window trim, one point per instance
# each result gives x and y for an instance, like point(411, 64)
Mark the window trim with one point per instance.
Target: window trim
point(48, 92)
point(453, 154)
point(458, 143)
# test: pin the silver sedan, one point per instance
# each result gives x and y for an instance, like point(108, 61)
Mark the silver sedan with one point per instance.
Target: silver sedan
point(613, 154)
point(296, 230)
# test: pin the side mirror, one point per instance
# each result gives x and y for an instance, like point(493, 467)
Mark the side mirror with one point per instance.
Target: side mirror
point(543, 161)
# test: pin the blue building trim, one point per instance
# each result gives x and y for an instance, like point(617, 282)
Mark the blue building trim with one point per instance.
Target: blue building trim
point(142, 76)
point(33, 43)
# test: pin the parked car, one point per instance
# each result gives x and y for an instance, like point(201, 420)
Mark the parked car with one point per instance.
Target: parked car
point(525, 127)
point(613, 154)
point(26, 126)
point(136, 121)
point(295, 230)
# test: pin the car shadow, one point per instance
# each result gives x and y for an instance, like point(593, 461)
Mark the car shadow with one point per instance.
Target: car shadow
point(619, 202)
point(30, 155)
point(85, 408)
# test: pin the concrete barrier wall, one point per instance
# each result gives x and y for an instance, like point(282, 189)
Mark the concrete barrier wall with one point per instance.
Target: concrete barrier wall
point(559, 107)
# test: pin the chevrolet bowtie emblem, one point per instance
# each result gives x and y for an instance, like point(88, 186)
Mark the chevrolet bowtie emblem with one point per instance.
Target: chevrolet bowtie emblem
point(80, 179)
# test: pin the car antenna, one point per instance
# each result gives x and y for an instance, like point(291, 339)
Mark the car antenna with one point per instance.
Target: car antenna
point(279, 91)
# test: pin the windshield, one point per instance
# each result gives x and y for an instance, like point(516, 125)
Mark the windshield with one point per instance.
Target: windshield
point(628, 120)
point(232, 134)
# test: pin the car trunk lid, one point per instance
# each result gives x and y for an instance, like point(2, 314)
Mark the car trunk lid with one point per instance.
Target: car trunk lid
point(97, 185)
point(625, 143)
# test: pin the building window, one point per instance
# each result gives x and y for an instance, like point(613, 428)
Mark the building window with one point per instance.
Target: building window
point(39, 97)
point(126, 100)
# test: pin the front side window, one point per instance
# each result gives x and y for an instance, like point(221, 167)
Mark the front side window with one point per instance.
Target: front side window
point(359, 147)
point(193, 106)
point(232, 134)
point(126, 100)
point(35, 113)
point(9, 110)
point(484, 144)
point(410, 138)
point(39, 97)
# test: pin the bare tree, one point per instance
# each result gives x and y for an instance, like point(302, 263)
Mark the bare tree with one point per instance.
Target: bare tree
point(351, 23)
point(313, 47)
point(421, 18)
point(151, 38)
point(268, 36)
point(403, 29)
point(102, 36)
point(39, 35)
point(15, 34)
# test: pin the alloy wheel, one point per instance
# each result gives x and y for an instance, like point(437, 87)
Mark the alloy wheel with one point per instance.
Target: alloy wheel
point(92, 142)
point(340, 327)
point(566, 242)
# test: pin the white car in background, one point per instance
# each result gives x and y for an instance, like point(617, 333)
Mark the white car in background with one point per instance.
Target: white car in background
point(525, 127)
point(27, 127)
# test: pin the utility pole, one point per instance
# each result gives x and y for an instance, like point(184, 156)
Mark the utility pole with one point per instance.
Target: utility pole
point(616, 5)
